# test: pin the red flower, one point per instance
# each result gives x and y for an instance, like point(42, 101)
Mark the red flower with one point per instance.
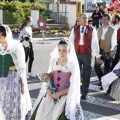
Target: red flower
point(111, 8)
point(113, 1)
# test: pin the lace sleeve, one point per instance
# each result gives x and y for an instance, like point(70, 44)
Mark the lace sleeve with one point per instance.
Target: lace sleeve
point(51, 65)
point(18, 56)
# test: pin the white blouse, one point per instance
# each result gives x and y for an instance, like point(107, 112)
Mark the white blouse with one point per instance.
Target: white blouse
point(27, 30)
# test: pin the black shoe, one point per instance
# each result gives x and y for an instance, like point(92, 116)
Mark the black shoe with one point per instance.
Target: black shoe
point(101, 88)
point(83, 97)
point(99, 84)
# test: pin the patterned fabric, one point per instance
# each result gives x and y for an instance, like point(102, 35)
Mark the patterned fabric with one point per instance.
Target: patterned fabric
point(115, 90)
point(3, 50)
point(61, 80)
point(117, 72)
point(10, 97)
point(87, 38)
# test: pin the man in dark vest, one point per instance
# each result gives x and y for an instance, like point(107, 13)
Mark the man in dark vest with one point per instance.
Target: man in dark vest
point(84, 38)
point(107, 37)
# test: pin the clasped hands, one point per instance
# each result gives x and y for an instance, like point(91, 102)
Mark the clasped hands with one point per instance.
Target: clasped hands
point(53, 95)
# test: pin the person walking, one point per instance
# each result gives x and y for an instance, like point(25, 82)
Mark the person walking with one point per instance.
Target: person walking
point(101, 10)
point(84, 38)
point(26, 38)
point(14, 95)
point(96, 16)
point(107, 37)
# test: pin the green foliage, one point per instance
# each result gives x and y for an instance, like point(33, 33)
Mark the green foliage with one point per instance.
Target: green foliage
point(15, 11)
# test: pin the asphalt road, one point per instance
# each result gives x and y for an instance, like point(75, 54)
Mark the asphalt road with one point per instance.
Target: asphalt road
point(97, 106)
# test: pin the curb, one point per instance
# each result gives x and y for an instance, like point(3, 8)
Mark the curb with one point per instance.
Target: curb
point(41, 36)
point(46, 39)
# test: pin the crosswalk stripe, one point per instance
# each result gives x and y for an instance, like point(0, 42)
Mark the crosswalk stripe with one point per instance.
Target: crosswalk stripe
point(94, 87)
point(99, 101)
point(93, 116)
point(102, 102)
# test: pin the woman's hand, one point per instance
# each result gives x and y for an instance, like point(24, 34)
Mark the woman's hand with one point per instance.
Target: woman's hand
point(56, 95)
point(45, 76)
point(22, 89)
point(49, 92)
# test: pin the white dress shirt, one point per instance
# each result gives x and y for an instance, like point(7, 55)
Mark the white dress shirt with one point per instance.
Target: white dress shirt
point(94, 42)
point(113, 39)
point(117, 26)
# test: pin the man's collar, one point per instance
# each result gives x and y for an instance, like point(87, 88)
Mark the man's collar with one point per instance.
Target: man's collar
point(106, 27)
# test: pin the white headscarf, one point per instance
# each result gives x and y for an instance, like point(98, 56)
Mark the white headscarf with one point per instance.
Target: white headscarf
point(9, 36)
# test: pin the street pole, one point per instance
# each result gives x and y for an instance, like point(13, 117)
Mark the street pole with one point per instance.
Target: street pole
point(85, 6)
point(43, 37)
point(58, 11)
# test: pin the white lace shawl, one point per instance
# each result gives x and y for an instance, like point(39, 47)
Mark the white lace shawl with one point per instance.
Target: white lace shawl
point(18, 56)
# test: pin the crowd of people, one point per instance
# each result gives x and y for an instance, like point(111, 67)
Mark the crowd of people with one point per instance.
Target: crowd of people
point(68, 77)
point(100, 41)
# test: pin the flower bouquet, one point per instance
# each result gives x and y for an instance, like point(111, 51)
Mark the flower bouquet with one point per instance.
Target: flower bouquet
point(115, 6)
point(47, 77)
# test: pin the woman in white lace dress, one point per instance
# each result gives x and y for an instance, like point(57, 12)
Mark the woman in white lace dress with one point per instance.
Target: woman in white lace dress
point(60, 100)
point(14, 95)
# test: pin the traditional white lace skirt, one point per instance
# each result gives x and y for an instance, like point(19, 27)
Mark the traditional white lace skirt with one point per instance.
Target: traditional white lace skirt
point(15, 106)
